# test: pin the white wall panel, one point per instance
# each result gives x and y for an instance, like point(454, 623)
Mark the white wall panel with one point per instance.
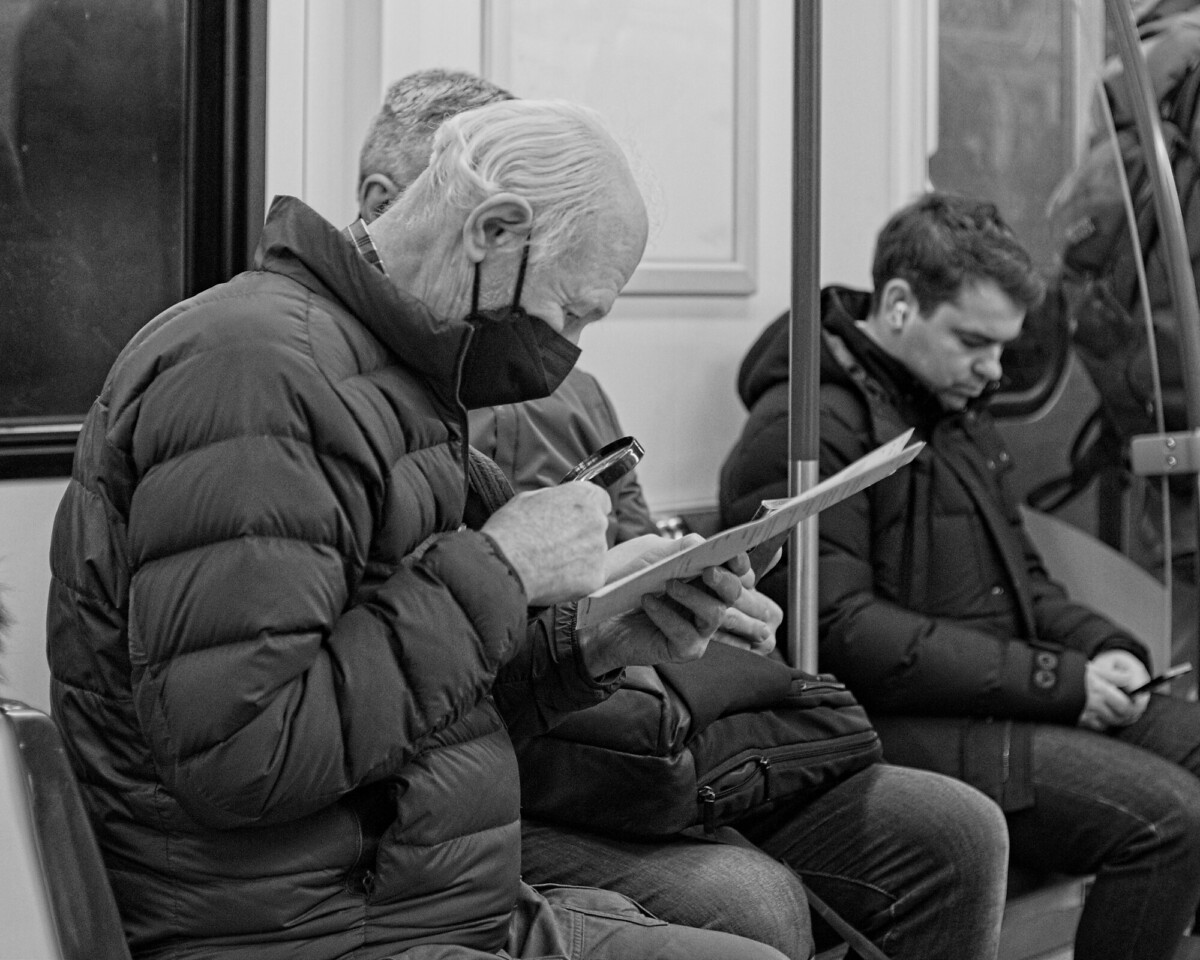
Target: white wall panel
point(26, 516)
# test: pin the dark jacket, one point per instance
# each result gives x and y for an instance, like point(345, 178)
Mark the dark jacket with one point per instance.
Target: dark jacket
point(932, 602)
point(272, 649)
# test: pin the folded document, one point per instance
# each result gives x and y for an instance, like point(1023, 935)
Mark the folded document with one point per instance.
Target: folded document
point(775, 518)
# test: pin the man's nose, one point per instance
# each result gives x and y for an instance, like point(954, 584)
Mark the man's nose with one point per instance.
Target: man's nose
point(988, 365)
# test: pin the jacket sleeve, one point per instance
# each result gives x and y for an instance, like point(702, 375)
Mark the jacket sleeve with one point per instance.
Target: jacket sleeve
point(631, 516)
point(546, 679)
point(1059, 619)
point(267, 682)
point(899, 660)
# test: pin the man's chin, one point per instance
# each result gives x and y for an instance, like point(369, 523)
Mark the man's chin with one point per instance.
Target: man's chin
point(954, 401)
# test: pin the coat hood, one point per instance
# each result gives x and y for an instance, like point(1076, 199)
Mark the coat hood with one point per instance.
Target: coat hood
point(767, 361)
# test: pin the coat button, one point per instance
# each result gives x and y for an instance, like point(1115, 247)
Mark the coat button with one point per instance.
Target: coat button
point(997, 591)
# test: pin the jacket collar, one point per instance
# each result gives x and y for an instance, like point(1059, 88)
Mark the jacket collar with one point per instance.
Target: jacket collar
point(300, 244)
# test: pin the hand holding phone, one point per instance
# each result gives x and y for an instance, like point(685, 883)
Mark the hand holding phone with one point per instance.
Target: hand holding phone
point(1163, 678)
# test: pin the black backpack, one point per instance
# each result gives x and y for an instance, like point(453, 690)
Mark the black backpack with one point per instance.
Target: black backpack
point(1097, 283)
point(698, 744)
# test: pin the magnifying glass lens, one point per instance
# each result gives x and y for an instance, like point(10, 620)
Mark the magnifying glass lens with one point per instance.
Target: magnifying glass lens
point(608, 464)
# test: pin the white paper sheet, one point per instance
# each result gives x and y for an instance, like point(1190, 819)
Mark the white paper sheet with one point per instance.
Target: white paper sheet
point(626, 594)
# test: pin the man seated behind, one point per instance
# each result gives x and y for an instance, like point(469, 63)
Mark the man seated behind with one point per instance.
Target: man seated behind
point(936, 610)
point(914, 860)
point(284, 672)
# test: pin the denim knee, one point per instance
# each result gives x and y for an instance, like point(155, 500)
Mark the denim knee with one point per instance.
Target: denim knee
point(960, 828)
point(1175, 831)
point(747, 892)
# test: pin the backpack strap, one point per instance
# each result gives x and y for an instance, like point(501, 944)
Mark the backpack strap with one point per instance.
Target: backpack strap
point(863, 948)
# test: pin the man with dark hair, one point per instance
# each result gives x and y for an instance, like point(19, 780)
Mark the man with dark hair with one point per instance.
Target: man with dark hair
point(935, 608)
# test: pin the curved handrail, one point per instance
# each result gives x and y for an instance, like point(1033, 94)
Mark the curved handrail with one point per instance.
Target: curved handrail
point(1166, 198)
point(1169, 217)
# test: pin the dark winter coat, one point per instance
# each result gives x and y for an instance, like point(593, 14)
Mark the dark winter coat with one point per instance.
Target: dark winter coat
point(932, 601)
point(272, 649)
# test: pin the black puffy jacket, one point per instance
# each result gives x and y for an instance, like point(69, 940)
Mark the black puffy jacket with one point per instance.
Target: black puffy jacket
point(273, 651)
point(932, 601)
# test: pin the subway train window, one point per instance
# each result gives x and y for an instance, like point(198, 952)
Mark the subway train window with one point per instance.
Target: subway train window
point(90, 190)
point(1015, 86)
point(1013, 82)
point(114, 193)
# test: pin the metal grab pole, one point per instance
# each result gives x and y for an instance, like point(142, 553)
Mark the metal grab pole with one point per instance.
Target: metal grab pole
point(800, 644)
point(1169, 218)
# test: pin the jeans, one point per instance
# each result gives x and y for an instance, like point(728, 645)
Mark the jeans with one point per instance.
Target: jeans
point(1124, 805)
point(914, 860)
point(581, 923)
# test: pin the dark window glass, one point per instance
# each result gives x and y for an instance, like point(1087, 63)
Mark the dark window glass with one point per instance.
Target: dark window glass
point(1006, 82)
point(92, 166)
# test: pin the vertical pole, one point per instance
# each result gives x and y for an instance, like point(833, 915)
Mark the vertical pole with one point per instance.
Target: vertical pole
point(800, 644)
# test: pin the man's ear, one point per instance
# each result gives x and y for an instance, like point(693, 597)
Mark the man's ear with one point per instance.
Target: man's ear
point(374, 194)
point(499, 222)
point(897, 305)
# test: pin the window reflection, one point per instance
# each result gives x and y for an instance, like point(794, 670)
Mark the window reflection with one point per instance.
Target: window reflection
point(91, 191)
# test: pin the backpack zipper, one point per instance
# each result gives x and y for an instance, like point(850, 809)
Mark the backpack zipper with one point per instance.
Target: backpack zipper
point(707, 797)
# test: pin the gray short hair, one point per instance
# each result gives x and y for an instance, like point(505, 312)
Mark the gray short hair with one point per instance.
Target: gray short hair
point(558, 156)
point(400, 137)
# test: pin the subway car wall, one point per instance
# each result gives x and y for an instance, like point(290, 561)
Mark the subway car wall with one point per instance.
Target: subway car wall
point(138, 200)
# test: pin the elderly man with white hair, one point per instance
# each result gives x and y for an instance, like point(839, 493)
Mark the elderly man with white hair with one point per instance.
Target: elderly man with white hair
point(284, 668)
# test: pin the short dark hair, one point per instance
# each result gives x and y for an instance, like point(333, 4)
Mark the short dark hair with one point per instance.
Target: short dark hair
point(398, 140)
point(941, 242)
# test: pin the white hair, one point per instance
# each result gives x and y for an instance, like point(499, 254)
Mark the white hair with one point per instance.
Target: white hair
point(558, 156)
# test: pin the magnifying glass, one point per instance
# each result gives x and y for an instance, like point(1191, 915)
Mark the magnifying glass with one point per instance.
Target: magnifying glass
point(608, 464)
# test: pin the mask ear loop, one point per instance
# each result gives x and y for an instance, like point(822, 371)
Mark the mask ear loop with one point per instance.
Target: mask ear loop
point(475, 292)
point(520, 273)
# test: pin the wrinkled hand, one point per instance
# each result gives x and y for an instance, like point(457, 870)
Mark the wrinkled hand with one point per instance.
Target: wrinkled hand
point(751, 622)
point(633, 555)
point(555, 540)
point(674, 626)
point(1108, 676)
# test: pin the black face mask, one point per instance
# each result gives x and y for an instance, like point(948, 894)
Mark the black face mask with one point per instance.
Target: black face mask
point(512, 356)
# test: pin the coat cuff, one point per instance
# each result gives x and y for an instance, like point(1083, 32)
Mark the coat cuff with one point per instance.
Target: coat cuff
point(1043, 681)
point(567, 648)
point(1129, 645)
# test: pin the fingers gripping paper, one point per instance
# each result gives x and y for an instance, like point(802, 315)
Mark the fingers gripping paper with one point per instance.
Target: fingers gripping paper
point(778, 517)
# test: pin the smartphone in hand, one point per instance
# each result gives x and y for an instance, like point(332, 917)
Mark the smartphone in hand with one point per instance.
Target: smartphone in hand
point(1163, 678)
